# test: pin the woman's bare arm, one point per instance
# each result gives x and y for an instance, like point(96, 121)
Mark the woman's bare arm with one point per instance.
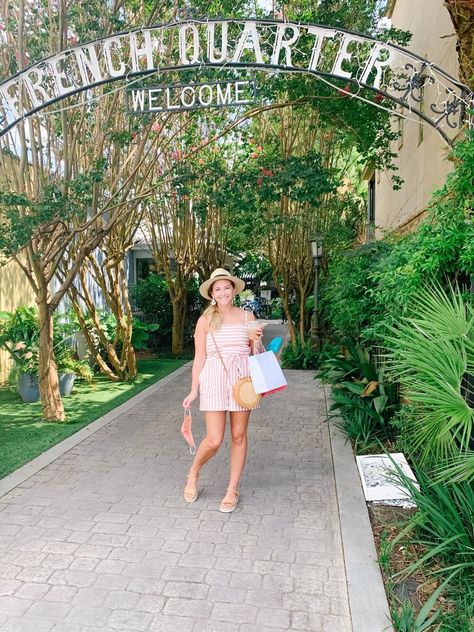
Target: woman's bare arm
point(199, 360)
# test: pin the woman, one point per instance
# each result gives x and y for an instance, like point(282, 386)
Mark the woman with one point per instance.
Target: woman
point(222, 329)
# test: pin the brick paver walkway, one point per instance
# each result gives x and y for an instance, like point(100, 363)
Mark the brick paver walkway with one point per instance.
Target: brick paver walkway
point(101, 540)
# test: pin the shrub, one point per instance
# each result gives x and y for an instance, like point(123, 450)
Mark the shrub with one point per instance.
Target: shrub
point(431, 353)
point(363, 397)
point(441, 249)
point(299, 355)
point(152, 298)
point(442, 524)
point(371, 287)
point(141, 334)
point(19, 335)
point(346, 307)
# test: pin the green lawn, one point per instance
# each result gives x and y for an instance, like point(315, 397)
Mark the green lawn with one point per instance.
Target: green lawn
point(23, 434)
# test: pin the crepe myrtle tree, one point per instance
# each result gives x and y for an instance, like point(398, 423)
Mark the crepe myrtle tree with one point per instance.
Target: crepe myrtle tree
point(58, 185)
point(274, 202)
point(186, 221)
point(113, 351)
point(39, 229)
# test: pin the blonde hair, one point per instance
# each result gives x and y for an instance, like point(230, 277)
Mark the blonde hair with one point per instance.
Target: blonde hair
point(212, 313)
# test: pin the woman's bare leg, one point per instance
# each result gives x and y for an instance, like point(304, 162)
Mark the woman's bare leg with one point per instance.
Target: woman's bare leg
point(215, 427)
point(238, 453)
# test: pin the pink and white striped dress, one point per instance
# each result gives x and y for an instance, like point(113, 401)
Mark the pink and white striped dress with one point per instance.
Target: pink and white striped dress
point(215, 386)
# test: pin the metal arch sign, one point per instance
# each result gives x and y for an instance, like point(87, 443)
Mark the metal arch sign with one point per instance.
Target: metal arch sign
point(327, 52)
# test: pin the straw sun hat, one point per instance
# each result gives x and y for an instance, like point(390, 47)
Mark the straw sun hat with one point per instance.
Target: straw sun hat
point(218, 275)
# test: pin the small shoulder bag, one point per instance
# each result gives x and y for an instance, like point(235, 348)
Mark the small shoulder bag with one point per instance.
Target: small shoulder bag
point(242, 391)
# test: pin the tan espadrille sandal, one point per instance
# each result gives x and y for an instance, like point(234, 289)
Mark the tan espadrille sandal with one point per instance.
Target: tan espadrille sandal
point(227, 506)
point(191, 497)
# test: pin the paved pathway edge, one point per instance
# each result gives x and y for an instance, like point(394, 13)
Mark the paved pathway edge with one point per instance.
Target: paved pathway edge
point(367, 599)
point(32, 467)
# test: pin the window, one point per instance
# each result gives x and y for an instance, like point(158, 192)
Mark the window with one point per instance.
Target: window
point(144, 267)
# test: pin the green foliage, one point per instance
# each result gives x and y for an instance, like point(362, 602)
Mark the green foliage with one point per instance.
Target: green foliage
point(346, 306)
point(19, 336)
point(440, 327)
point(357, 124)
point(64, 356)
point(299, 355)
point(380, 296)
point(385, 549)
point(405, 619)
point(442, 246)
point(81, 369)
point(141, 331)
point(253, 193)
point(141, 334)
point(442, 524)
point(369, 289)
point(201, 178)
point(195, 304)
point(256, 265)
point(108, 325)
point(21, 217)
point(152, 298)
point(266, 177)
point(344, 218)
point(361, 395)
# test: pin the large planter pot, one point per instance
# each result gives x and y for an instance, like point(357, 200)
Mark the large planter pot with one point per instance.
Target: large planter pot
point(66, 382)
point(28, 388)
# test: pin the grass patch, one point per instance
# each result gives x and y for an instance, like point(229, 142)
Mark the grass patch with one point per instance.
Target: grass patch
point(23, 433)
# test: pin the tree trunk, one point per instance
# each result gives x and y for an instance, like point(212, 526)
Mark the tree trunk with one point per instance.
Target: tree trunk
point(291, 325)
point(179, 320)
point(117, 369)
point(91, 343)
point(131, 362)
point(284, 295)
point(53, 408)
point(462, 17)
point(126, 320)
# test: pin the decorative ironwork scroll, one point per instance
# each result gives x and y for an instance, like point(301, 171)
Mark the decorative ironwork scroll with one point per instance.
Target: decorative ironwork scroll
point(268, 45)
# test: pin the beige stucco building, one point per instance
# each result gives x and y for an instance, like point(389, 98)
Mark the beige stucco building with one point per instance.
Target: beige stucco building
point(421, 149)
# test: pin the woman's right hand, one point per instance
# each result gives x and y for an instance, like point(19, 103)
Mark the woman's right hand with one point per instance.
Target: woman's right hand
point(189, 399)
point(255, 332)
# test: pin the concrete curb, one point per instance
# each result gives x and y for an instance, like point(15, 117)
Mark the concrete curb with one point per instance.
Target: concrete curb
point(23, 473)
point(367, 599)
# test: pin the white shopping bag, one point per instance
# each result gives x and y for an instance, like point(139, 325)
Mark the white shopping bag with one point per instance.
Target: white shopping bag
point(266, 373)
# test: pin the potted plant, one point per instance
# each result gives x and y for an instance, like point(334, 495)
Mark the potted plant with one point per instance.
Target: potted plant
point(26, 370)
point(19, 335)
point(69, 367)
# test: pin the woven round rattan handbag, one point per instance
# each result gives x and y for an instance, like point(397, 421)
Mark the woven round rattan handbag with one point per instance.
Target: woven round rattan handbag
point(242, 391)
